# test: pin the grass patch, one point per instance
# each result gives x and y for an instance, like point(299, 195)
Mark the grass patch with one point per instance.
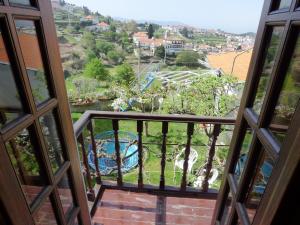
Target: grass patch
point(176, 141)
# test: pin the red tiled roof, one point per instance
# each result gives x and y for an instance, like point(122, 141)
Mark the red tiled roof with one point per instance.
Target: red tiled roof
point(89, 17)
point(142, 37)
point(30, 51)
point(103, 24)
point(140, 34)
point(146, 40)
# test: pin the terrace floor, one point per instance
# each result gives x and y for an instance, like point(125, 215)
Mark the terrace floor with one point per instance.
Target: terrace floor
point(122, 207)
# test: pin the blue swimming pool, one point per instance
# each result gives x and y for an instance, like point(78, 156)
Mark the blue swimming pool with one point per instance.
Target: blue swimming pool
point(106, 152)
point(265, 171)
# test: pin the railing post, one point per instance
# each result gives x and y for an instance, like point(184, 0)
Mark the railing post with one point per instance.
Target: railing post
point(211, 154)
point(91, 192)
point(94, 148)
point(190, 132)
point(118, 153)
point(140, 151)
point(163, 155)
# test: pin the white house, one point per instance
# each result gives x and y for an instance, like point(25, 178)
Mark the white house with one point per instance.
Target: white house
point(173, 46)
point(141, 40)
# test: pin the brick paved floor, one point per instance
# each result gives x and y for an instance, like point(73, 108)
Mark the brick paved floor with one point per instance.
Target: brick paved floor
point(122, 207)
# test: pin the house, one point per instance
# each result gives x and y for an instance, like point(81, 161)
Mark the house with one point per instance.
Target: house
point(174, 46)
point(98, 27)
point(91, 19)
point(141, 40)
point(96, 171)
point(103, 26)
point(139, 36)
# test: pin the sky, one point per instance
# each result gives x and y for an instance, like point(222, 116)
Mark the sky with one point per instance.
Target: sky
point(237, 16)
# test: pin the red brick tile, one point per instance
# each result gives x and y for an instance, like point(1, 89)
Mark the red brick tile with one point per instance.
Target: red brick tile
point(121, 207)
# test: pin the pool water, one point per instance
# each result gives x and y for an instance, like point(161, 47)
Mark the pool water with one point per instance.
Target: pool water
point(109, 147)
point(108, 165)
point(266, 170)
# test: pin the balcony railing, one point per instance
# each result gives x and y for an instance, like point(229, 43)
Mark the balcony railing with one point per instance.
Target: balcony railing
point(86, 137)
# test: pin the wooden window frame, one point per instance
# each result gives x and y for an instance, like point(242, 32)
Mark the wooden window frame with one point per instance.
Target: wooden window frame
point(262, 138)
point(41, 14)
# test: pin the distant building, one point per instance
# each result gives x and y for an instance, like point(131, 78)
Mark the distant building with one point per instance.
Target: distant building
point(94, 20)
point(173, 46)
point(141, 40)
point(137, 37)
point(103, 26)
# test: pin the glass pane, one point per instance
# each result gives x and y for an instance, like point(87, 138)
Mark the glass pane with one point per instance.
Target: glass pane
point(21, 2)
point(24, 157)
point(239, 168)
point(10, 104)
point(270, 54)
point(45, 215)
point(285, 4)
point(33, 60)
point(49, 128)
point(65, 194)
point(259, 184)
point(289, 97)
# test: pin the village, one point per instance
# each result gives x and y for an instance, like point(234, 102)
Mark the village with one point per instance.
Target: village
point(219, 50)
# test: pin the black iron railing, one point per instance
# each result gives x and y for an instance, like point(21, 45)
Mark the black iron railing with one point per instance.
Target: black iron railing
point(87, 120)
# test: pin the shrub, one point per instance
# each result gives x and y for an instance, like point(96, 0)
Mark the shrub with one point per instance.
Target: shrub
point(188, 58)
point(95, 69)
point(125, 74)
point(116, 57)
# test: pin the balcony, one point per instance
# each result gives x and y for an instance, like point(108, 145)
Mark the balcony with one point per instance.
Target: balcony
point(116, 198)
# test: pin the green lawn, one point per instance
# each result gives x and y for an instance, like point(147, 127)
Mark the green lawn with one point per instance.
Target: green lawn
point(152, 150)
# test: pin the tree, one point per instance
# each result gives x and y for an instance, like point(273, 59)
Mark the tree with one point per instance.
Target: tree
point(116, 57)
point(185, 32)
point(160, 51)
point(62, 2)
point(143, 100)
point(86, 11)
point(150, 31)
point(95, 69)
point(125, 74)
point(110, 36)
point(104, 47)
point(77, 62)
point(112, 28)
point(85, 23)
point(188, 58)
point(76, 27)
point(206, 96)
point(125, 42)
point(109, 19)
point(89, 40)
point(130, 27)
point(159, 33)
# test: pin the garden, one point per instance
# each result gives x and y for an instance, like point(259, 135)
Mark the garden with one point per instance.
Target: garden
point(104, 71)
